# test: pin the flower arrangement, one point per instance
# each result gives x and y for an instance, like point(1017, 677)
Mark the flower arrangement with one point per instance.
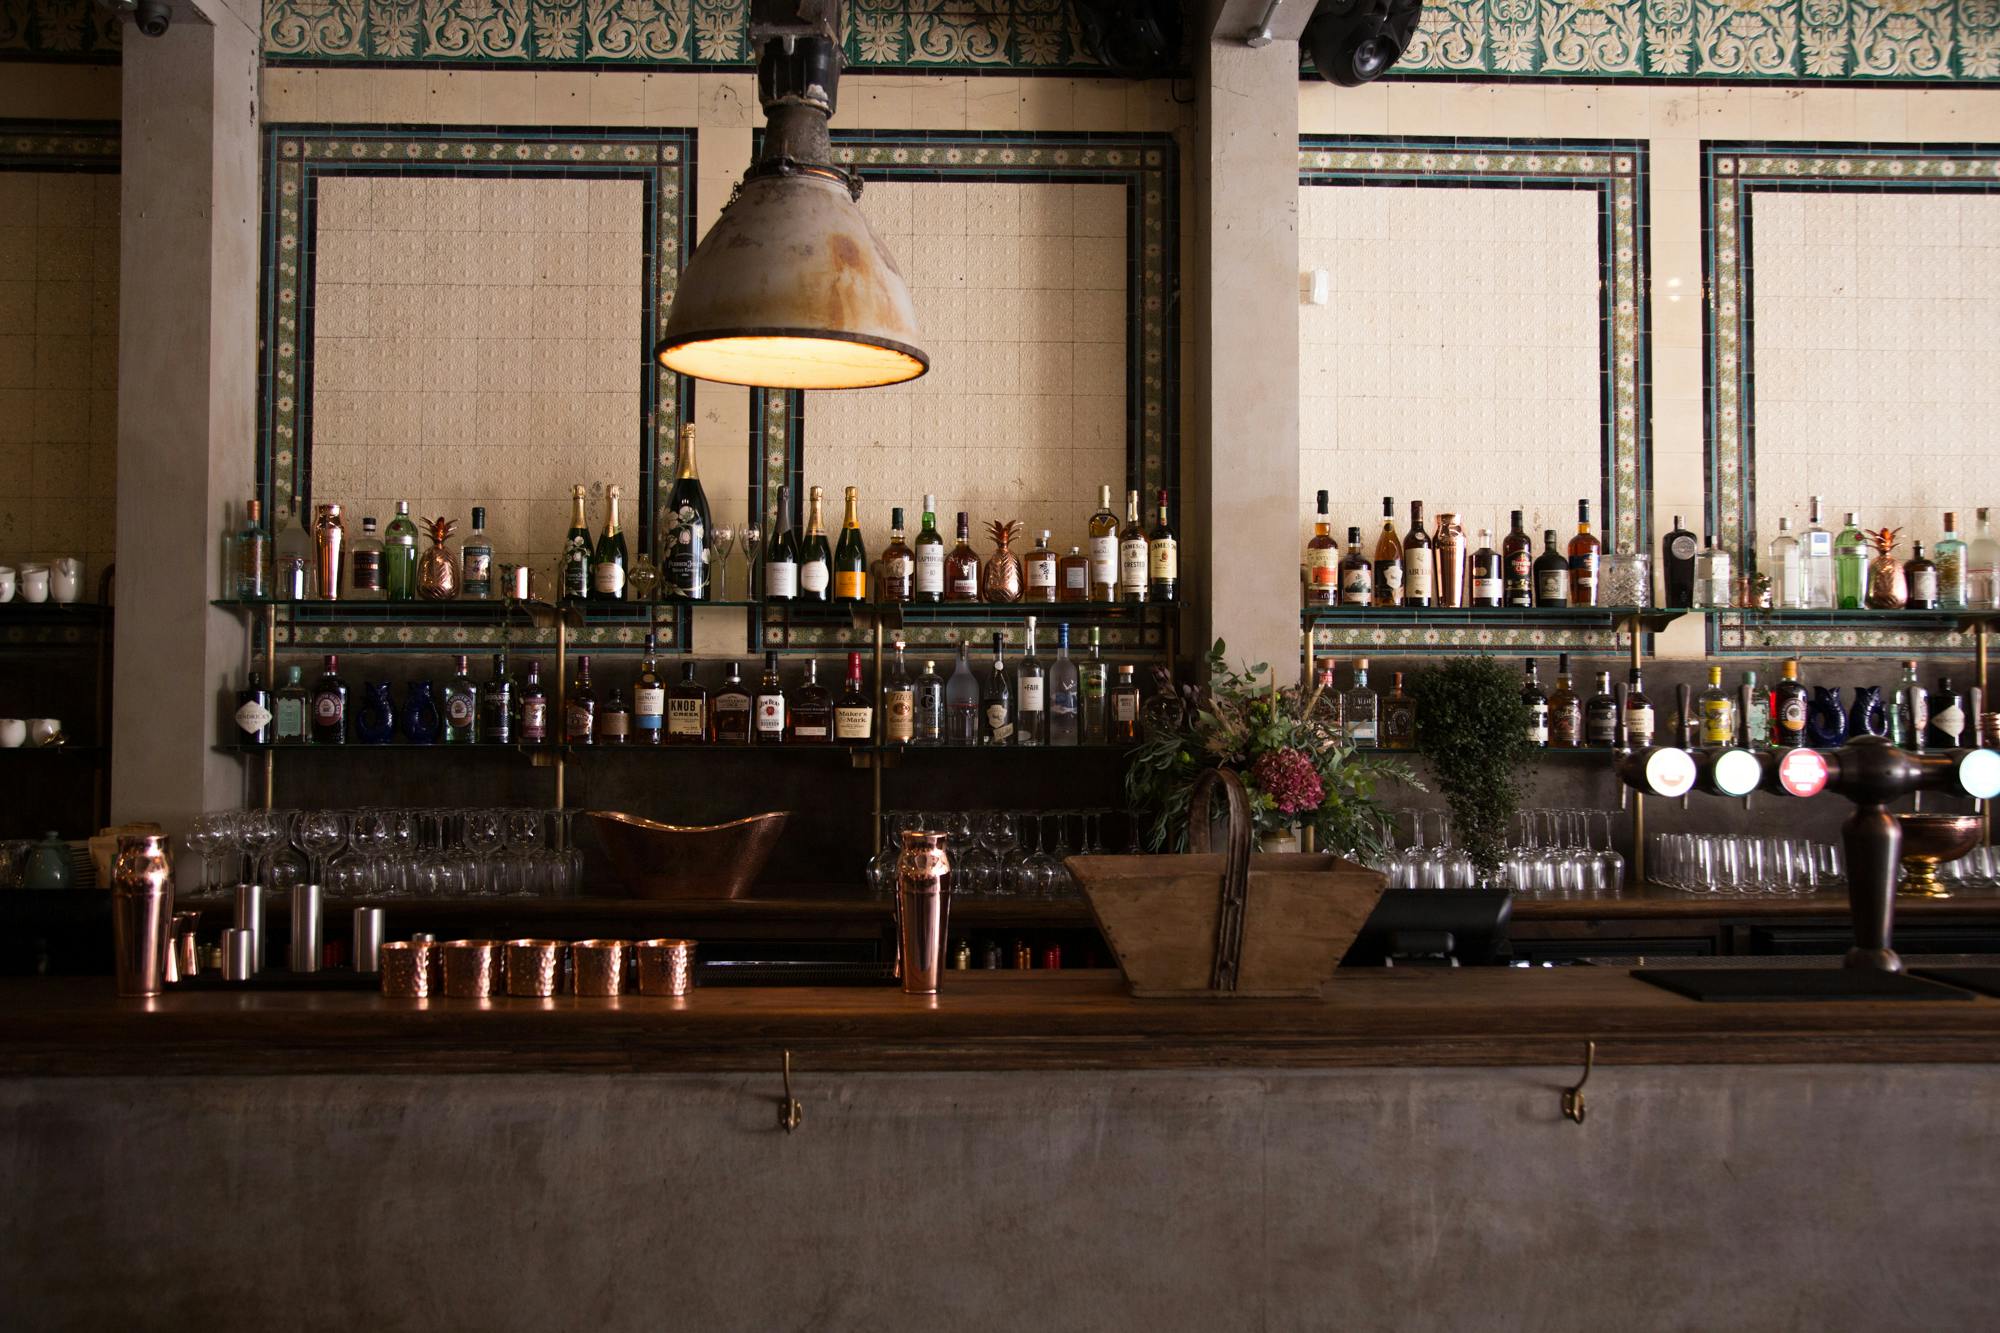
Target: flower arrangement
point(1296, 767)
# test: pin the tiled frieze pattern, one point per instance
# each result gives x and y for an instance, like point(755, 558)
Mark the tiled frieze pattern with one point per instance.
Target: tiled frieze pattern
point(1853, 350)
point(60, 30)
point(459, 319)
point(59, 245)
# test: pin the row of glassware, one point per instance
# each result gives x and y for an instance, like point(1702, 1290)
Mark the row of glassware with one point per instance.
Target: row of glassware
point(1007, 854)
point(1552, 853)
point(1740, 865)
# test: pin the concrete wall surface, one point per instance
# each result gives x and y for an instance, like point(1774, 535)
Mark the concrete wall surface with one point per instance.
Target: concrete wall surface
point(1771, 1198)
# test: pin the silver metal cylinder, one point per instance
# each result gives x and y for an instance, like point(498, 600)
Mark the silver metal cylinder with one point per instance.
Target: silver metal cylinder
point(239, 954)
point(305, 928)
point(367, 939)
point(250, 917)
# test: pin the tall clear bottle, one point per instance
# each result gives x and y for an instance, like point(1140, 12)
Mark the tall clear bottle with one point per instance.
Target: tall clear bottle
point(1949, 556)
point(1788, 569)
point(250, 555)
point(1818, 550)
point(1714, 580)
point(1095, 689)
point(1065, 693)
point(399, 555)
point(1850, 565)
point(1031, 695)
point(961, 703)
point(1982, 565)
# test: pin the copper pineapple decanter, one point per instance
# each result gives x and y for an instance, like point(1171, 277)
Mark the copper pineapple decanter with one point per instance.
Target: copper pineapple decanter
point(1888, 589)
point(1000, 580)
point(437, 572)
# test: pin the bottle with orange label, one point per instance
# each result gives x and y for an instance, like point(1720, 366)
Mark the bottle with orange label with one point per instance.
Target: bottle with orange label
point(1322, 564)
point(850, 558)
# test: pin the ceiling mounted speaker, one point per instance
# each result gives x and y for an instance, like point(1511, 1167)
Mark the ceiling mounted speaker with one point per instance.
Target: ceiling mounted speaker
point(1136, 39)
point(1353, 42)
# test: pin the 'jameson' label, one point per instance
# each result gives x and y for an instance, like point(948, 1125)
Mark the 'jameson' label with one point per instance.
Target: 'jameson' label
point(1132, 564)
point(1165, 556)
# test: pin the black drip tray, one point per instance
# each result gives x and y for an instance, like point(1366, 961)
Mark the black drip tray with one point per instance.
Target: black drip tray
point(1755, 985)
point(1985, 980)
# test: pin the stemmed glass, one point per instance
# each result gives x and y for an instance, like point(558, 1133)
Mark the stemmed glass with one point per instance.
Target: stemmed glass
point(209, 837)
point(1064, 884)
point(520, 869)
point(321, 834)
point(721, 540)
point(1610, 864)
point(481, 834)
point(753, 537)
point(1039, 872)
point(1000, 834)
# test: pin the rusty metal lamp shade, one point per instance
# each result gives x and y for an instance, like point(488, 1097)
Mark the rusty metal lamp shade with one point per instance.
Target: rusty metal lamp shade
point(792, 289)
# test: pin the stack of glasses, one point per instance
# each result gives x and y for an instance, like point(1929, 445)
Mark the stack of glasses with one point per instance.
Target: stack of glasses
point(1745, 866)
point(1006, 853)
point(1552, 854)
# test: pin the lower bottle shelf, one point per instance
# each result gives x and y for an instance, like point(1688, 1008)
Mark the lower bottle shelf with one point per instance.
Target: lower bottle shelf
point(705, 747)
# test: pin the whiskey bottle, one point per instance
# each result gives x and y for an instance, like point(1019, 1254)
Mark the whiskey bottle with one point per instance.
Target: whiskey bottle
point(1038, 571)
point(1356, 585)
point(579, 707)
point(687, 526)
point(1417, 568)
point(1163, 557)
point(996, 699)
point(534, 707)
point(1388, 558)
point(853, 714)
point(1536, 700)
point(1324, 569)
point(291, 711)
point(1584, 553)
point(1399, 717)
point(961, 703)
point(1788, 712)
point(1065, 693)
point(1551, 573)
point(1122, 710)
point(250, 556)
point(930, 557)
point(1359, 707)
point(253, 712)
point(768, 706)
point(607, 564)
point(811, 709)
point(781, 557)
point(1716, 711)
point(1132, 553)
point(1517, 560)
point(899, 701)
point(1094, 689)
point(1489, 581)
point(1073, 576)
point(461, 705)
point(1639, 719)
point(329, 705)
point(1600, 714)
point(576, 548)
point(649, 696)
point(688, 718)
point(896, 571)
point(1677, 552)
point(815, 556)
point(732, 709)
point(614, 720)
point(366, 579)
point(961, 566)
point(496, 705)
point(1103, 549)
point(475, 558)
point(399, 555)
point(1565, 709)
point(850, 558)
point(1031, 695)
point(927, 709)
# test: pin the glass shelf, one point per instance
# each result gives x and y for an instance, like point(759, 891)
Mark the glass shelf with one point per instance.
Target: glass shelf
point(581, 751)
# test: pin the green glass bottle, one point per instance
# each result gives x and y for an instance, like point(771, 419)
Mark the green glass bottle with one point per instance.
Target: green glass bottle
point(850, 558)
point(399, 555)
point(576, 549)
point(1850, 565)
point(607, 566)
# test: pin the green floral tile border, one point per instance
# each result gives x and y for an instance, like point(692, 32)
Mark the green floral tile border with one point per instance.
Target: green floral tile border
point(297, 157)
point(374, 637)
point(48, 145)
point(1404, 640)
point(1733, 174)
point(1147, 166)
point(1616, 172)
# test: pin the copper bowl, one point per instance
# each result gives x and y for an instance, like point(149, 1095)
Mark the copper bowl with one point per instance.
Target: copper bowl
point(1928, 842)
point(676, 861)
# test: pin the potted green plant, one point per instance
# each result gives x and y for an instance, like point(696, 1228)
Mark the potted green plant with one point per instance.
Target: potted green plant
point(1473, 727)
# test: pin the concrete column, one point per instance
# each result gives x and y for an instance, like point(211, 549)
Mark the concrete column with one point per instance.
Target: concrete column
point(1246, 437)
point(187, 393)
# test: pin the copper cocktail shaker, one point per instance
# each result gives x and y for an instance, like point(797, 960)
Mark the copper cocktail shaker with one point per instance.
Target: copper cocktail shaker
point(329, 536)
point(923, 910)
point(142, 911)
point(1449, 544)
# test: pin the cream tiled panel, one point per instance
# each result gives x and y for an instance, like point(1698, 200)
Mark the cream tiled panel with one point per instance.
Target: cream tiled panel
point(1020, 293)
point(1457, 359)
point(1877, 355)
point(58, 366)
point(473, 345)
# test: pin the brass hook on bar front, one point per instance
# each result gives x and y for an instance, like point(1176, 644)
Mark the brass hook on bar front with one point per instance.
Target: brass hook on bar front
point(790, 1113)
point(1573, 1107)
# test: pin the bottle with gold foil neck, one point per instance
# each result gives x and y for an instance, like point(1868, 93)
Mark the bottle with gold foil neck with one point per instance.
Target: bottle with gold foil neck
point(329, 536)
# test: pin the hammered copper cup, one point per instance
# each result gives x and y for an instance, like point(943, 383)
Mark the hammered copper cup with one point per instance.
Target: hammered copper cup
point(534, 967)
point(597, 967)
point(666, 967)
point(406, 969)
point(471, 968)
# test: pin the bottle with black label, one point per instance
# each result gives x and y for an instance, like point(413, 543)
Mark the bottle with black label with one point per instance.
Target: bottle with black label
point(1600, 714)
point(1356, 574)
point(1551, 573)
point(365, 576)
point(496, 705)
point(1789, 706)
point(329, 705)
point(1947, 721)
point(927, 707)
point(253, 712)
point(689, 717)
point(1399, 716)
point(534, 707)
point(811, 708)
point(687, 526)
point(1536, 700)
point(1639, 722)
point(475, 558)
point(732, 708)
point(1677, 552)
point(1922, 577)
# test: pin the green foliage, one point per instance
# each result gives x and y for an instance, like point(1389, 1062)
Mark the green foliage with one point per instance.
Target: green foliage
point(1241, 716)
point(1473, 727)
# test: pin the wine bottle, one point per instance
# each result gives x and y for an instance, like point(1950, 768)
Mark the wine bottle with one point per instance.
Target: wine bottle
point(781, 557)
point(607, 565)
point(687, 526)
point(815, 556)
point(850, 558)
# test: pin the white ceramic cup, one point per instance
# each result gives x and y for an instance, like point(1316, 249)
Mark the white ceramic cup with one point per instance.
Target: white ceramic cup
point(13, 733)
point(42, 730)
point(66, 579)
point(34, 583)
point(7, 583)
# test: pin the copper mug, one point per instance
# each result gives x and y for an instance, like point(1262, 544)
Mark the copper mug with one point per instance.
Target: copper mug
point(598, 967)
point(406, 969)
point(666, 967)
point(142, 911)
point(923, 910)
point(534, 967)
point(471, 968)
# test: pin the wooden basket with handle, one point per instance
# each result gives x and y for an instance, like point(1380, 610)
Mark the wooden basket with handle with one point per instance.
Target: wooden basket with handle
point(1231, 923)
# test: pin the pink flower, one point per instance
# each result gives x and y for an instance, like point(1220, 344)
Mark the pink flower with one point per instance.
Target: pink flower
point(1289, 779)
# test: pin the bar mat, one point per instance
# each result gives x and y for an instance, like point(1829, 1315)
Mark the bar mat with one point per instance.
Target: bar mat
point(1756, 985)
point(1985, 980)
point(272, 978)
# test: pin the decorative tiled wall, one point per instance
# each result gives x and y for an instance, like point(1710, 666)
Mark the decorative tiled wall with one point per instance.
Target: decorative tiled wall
point(58, 342)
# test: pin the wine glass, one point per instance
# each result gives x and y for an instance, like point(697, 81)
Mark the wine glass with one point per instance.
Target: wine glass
point(257, 832)
point(521, 830)
point(721, 540)
point(1039, 872)
point(1610, 865)
point(482, 834)
point(321, 834)
point(752, 537)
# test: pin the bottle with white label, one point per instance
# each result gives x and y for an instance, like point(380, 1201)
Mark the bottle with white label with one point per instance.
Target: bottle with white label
point(853, 714)
point(1103, 549)
point(1947, 719)
point(1816, 547)
point(929, 557)
point(1163, 556)
point(1031, 696)
point(1788, 567)
point(815, 555)
point(1356, 575)
point(768, 705)
point(1360, 708)
point(1639, 725)
point(899, 701)
point(1132, 553)
point(649, 697)
point(253, 712)
point(1038, 571)
point(1489, 580)
point(1714, 581)
point(1536, 700)
point(781, 557)
point(476, 559)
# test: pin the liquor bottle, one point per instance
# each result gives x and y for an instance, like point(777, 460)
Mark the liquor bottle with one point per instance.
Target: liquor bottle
point(577, 547)
point(899, 701)
point(1717, 711)
point(781, 557)
point(1922, 577)
point(1565, 709)
point(1399, 716)
point(811, 709)
point(1038, 571)
point(687, 571)
point(1714, 581)
point(291, 711)
point(1103, 549)
point(1584, 554)
point(1489, 579)
point(1323, 706)
point(1788, 569)
point(1850, 565)
point(1358, 704)
point(996, 699)
point(534, 707)
point(649, 696)
point(1910, 713)
point(1517, 564)
point(1551, 573)
point(1132, 553)
point(768, 704)
point(253, 712)
point(853, 713)
point(292, 561)
point(1031, 695)
point(815, 556)
point(614, 720)
point(1817, 546)
point(1122, 708)
point(930, 557)
point(1982, 565)
point(250, 556)
point(1600, 714)
point(608, 561)
point(1324, 568)
point(1677, 552)
point(927, 724)
point(475, 559)
point(732, 708)
point(896, 571)
point(399, 556)
point(329, 705)
point(688, 717)
point(1950, 556)
point(961, 566)
point(1788, 707)
point(367, 580)
point(1357, 574)
point(1638, 719)
point(850, 557)
point(1417, 565)
point(1388, 558)
point(1095, 690)
point(1947, 721)
point(961, 703)
point(1536, 700)
point(1450, 558)
point(496, 705)
point(1065, 693)
point(1073, 576)
point(1163, 557)
point(461, 705)
point(580, 707)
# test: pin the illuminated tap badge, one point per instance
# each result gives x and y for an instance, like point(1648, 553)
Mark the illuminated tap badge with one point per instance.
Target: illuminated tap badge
point(1979, 774)
point(1736, 773)
point(1670, 772)
point(1802, 772)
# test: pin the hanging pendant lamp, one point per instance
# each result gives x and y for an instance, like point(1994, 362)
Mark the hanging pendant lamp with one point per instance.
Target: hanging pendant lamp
point(792, 289)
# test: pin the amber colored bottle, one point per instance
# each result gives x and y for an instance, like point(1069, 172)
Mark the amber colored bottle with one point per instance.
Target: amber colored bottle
point(961, 566)
point(1038, 571)
point(1584, 550)
point(1565, 709)
point(1517, 566)
point(1322, 563)
point(1122, 720)
point(1388, 558)
point(1399, 717)
point(1073, 576)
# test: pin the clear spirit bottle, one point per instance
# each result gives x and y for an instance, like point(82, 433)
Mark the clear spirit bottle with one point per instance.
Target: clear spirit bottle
point(1095, 690)
point(927, 723)
point(1359, 707)
point(1788, 569)
point(250, 555)
point(1031, 695)
point(961, 703)
point(1818, 552)
point(1065, 691)
point(1982, 565)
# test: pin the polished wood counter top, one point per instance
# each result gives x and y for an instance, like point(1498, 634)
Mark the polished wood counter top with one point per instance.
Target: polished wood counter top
point(983, 1021)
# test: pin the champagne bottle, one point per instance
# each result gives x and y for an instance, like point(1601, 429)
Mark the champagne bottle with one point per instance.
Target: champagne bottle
point(815, 556)
point(781, 558)
point(607, 566)
point(576, 548)
point(850, 558)
point(687, 526)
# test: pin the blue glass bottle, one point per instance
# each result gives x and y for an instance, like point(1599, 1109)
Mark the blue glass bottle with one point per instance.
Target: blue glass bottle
point(1826, 720)
point(422, 723)
point(1868, 716)
point(375, 721)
